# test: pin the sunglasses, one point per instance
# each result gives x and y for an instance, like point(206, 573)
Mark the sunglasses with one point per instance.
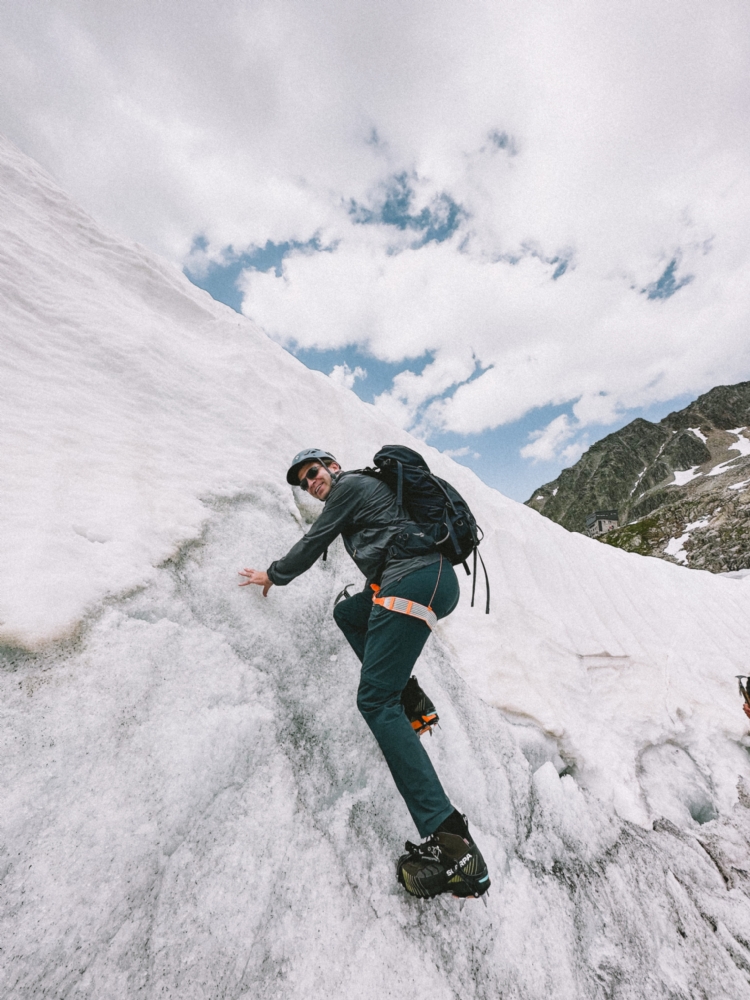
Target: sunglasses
point(311, 474)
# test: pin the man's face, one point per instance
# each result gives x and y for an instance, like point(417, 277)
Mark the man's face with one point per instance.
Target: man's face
point(320, 485)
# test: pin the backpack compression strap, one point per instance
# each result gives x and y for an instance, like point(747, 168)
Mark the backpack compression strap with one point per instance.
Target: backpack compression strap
point(406, 607)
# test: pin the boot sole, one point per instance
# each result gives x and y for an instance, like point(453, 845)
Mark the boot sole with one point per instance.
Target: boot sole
point(473, 889)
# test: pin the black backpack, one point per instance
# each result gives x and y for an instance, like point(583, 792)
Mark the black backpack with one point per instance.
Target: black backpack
point(445, 521)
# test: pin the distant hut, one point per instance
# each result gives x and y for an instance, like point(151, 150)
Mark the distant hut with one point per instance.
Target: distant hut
point(601, 521)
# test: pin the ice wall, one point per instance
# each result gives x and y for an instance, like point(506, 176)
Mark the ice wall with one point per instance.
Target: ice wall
point(192, 806)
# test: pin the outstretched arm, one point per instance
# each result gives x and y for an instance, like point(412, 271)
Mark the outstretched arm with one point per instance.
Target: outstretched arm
point(342, 502)
point(339, 508)
point(256, 576)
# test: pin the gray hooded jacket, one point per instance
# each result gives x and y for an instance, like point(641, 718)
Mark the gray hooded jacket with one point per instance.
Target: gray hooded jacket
point(366, 515)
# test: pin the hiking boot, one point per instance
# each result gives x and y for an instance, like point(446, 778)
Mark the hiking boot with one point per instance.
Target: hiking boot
point(419, 709)
point(444, 862)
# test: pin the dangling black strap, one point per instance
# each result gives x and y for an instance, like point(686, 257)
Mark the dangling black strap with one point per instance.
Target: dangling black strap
point(468, 571)
point(400, 490)
point(486, 582)
point(474, 581)
point(325, 555)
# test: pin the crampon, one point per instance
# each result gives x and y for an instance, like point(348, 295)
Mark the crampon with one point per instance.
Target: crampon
point(419, 709)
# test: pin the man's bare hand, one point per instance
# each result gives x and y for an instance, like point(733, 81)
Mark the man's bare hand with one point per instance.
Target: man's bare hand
point(258, 577)
point(746, 709)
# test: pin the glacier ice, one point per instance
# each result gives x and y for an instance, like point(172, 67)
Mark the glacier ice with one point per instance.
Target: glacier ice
point(192, 806)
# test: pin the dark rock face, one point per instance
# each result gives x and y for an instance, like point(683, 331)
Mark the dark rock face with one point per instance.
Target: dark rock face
point(602, 477)
point(720, 407)
point(681, 477)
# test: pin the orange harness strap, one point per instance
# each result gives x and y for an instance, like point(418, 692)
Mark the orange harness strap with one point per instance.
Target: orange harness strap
point(405, 607)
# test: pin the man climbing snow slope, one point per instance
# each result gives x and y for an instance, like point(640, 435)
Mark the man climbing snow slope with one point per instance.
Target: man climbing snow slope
point(365, 512)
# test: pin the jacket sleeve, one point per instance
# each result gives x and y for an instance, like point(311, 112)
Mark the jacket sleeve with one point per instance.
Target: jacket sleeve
point(337, 514)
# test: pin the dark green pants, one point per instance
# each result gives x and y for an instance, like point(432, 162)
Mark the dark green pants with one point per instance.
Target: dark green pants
point(388, 645)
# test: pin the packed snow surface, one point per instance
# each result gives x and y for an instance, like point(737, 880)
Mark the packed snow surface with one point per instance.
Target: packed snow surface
point(192, 807)
point(681, 478)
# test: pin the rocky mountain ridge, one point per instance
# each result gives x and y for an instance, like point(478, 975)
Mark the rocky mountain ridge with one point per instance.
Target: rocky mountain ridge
point(681, 486)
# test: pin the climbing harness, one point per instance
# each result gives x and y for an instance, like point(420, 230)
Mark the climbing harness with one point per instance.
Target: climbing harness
point(406, 607)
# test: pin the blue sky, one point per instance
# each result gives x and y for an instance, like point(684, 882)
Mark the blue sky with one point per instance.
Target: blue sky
point(527, 226)
point(493, 454)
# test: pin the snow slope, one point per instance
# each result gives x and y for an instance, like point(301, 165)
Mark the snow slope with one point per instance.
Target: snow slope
point(192, 806)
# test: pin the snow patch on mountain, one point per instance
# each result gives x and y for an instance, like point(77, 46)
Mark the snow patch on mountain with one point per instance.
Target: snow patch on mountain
point(743, 442)
point(675, 547)
point(681, 478)
point(742, 445)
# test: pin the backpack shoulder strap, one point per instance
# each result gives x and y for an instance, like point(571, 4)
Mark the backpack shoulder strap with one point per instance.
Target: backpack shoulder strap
point(372, 473)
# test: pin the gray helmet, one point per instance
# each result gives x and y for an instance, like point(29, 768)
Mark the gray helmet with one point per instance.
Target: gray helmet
point(308, 455)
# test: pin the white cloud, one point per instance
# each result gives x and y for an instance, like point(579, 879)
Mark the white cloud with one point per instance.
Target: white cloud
point(571, 454)
point(546, 444)
point(627, 149)
point(346, 376)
